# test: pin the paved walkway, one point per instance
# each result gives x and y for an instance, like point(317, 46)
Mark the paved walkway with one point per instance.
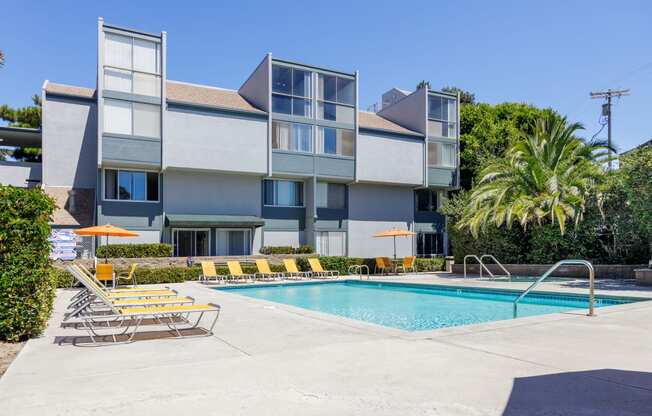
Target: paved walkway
point(270, 359)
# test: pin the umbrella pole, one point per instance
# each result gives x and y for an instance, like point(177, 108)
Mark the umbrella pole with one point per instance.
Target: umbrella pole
point(394, 248)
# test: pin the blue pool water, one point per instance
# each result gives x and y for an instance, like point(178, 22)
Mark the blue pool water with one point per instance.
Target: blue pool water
point(416, 307)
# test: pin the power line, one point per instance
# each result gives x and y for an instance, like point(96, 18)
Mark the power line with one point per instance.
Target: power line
point(606, 110)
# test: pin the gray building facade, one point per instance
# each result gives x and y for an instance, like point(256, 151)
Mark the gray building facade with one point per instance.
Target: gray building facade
point(288, 159)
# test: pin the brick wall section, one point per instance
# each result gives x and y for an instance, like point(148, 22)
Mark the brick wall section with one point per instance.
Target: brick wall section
point(602, 271)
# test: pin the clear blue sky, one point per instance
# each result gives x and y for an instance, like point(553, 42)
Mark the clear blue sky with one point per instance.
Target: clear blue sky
point(550, 53)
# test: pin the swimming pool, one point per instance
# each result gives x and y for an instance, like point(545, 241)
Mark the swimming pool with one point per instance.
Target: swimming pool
point(414, 307)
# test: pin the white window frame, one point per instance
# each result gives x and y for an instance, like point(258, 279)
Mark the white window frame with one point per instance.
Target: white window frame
point(446, 141)
point(157, 73)
point(174, 242)
point(131, 200)
point(249, 241)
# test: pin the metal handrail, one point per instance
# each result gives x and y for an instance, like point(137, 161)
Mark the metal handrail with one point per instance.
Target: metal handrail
point(357, 269)
point(507, 273)
point(552, 269)
point(482, 266)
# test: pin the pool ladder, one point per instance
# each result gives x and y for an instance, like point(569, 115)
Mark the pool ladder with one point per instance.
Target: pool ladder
point(483, 265)
point(552, 269)
point(359, 269)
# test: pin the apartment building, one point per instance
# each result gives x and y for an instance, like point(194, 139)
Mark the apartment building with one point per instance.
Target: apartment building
point(287, 159)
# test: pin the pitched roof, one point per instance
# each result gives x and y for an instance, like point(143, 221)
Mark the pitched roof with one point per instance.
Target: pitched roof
point(63, 89)
point(367, 120)
point(210, 96)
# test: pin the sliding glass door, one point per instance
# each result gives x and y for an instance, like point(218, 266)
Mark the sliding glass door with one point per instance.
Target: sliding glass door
point(191, 243)
point(233, 242)
point(430, 244)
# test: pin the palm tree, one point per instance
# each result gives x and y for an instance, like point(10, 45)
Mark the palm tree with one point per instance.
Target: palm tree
point(547, 176)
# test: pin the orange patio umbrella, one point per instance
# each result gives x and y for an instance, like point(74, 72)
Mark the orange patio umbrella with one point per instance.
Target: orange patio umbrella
point(395, 232)
point(107, 230)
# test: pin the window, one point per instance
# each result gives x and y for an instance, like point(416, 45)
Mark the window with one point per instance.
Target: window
point(333, 141)
point(426, 200)
point(442, 155)
point(331, 195)
point(291, 91)
point(132, 65)
point(191, 243)
point(332, 91)
point(124, 117)
point(336, 89)
point(129, 185)
point(442, 116)
point(291, 137)
point(330, 243)
point(282, 193)
point(233, 242)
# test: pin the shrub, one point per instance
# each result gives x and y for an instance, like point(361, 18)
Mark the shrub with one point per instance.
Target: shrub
point(27, 284)
point(135, 250)
point(305, 249)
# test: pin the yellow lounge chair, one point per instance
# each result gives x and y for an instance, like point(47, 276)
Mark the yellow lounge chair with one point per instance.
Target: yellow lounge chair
point(264, 271)
point(319, 271)
point(293, 271)
point(408, 264)
point(235, 271)
point(175, 317)
point(209, 272)
point(98, 296)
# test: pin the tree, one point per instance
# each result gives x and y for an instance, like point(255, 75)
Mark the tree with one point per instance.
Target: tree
point(24, 117)
point(423, 84)
point(547, 176)
point(2, 59)
point(636, 173)
point(466, 97)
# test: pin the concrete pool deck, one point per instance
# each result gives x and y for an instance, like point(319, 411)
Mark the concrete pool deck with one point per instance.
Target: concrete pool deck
point(270, 359)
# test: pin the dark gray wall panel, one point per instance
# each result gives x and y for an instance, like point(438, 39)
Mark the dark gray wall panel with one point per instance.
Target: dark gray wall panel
point(334, 167)
point(297, 164)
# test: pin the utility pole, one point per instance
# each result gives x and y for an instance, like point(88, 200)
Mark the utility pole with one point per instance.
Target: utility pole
point(606, 110)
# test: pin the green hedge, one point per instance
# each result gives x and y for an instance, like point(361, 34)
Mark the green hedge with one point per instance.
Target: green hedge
point(26, 280)
point(177, 274)
point(286, 250)
point(135, 250)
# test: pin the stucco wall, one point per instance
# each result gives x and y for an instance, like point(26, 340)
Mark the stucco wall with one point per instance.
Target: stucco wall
point(69, 143)
point(389, 158)
point(18, 173)
point(374, 208)
point(211, 193)
point(214, 140)
point(283, 238)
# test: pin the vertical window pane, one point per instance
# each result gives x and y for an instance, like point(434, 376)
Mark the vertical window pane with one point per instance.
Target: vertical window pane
point(145, 56)
point(280, 135)
point(124, 185)
point(301, 83)
point(301, 107)
point(281, 77)
point(269, 192)
point(152, 186)
point(433, 154)
point(117, 117)
point(435, 107)
point(435, 128)
point(281, 104)
point(336, 195)
point(117, 80)
point(146, 84)
point(423, 199)
point(448, 155)
point(433, 201)
point(326, 111)
point(139, 183)
point(328, 142)
point(110, 184)
point(302, 138)
point(147, 120)
point(345, 142)
point(452, 110)
point(327, 87)
point(117, 51)
point(345, 91)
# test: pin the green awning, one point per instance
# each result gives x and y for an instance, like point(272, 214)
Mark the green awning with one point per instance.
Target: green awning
point(201, 220)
